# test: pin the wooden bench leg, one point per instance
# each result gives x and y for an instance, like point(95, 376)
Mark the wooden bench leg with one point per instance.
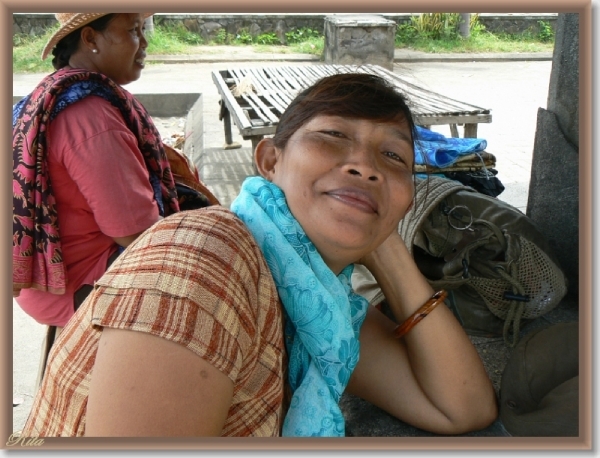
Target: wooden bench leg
point(470, 130)
point(225, 116)
point(255, 140)
point(454, 130)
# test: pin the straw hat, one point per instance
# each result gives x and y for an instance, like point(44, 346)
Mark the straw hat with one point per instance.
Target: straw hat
point(70, 22)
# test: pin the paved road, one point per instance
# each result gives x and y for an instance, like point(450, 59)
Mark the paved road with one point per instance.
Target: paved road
point(513, 90)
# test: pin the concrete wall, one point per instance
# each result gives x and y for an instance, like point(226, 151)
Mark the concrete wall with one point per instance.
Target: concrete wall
point(209, 24)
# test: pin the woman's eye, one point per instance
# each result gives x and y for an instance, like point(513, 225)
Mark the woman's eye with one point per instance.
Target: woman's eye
point(393, 156)
point(333, 133)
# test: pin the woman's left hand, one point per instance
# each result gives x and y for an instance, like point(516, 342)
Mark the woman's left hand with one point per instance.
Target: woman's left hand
point(433, 377)
point(375, 257)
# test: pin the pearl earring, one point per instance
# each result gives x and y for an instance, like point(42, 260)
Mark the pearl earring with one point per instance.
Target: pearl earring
point(95, 51)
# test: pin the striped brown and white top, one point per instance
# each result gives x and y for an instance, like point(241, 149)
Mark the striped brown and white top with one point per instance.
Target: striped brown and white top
point(196, 278)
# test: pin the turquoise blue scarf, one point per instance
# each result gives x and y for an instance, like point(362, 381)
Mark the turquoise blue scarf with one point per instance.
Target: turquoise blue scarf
point(323, 315)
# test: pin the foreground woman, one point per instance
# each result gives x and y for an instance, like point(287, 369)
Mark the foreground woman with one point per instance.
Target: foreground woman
point(243, 322)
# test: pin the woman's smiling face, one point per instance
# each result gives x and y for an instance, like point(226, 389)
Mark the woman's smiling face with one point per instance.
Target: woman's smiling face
point(122, 48)
point(348, 182)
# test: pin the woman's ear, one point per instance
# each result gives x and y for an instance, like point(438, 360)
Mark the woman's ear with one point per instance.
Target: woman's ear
point(88, 38)
point(265, 158)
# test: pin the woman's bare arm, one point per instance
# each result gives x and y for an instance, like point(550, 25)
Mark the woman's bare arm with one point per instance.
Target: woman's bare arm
point(433, 377)
point(146, 386)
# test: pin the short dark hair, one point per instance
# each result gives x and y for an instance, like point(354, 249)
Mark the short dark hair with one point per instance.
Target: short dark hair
point(65, 48)
point(351, 95)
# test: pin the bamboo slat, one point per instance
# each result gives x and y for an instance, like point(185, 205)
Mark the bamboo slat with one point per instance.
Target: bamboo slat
point(270, 89)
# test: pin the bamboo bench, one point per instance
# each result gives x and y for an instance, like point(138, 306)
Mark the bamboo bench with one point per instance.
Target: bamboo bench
point(255, 98)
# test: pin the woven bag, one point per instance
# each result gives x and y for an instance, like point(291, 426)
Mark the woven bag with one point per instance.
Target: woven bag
point(493, 260)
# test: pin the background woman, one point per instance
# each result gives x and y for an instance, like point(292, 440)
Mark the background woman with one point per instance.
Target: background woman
point(89, 170)
point(244, 322)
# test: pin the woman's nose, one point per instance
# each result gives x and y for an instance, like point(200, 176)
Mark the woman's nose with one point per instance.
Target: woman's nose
point(143, 41)
point(360, 163)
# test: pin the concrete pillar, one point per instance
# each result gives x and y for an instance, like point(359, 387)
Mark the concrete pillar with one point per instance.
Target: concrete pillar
point(357, 39)
point(554, 187)
point(194, 131)
point(149, 25)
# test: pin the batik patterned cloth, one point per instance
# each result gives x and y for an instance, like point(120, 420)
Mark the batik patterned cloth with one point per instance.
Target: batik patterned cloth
point(37, 256)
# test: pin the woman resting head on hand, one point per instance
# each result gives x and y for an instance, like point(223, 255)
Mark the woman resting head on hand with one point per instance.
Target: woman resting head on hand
point(247, 324)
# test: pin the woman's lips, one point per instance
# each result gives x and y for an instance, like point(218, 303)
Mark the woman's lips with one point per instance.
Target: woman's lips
point(358, 198)
point(141, 60)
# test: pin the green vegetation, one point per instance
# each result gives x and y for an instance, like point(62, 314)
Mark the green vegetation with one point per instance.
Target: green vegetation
point(439, 33)
point(172, 40)
point(431, 32)
point(546, 34)
point(295, 39)
point(27, 52)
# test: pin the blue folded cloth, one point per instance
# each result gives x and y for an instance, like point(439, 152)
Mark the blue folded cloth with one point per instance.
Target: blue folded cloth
point(436, 150)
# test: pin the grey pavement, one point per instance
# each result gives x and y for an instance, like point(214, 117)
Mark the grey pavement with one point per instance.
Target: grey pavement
point(512, 86)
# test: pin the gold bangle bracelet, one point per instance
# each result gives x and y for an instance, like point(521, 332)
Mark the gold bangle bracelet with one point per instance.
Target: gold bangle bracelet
point(423, 311)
